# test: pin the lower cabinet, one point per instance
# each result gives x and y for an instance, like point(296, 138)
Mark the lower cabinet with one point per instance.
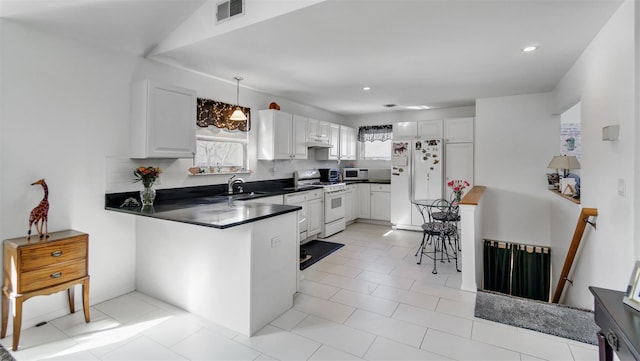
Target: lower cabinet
point(374, 201)
point(314, 212)
point(351, 203)
point(364, 200)
point(381, 202)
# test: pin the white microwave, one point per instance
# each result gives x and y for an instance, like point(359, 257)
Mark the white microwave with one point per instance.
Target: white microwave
point(351, 174)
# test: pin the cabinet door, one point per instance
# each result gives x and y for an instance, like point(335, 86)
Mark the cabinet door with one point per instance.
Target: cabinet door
point(347, 143)
point(282, 135)
point(299, 138)
point(348, 206)
point(163, 121)
point(459, 130)
point(312, 130)
point(323, 132)
point(381, 205)
point(430, 129)
point(364, 200)
point(458, 164)
point(334, 140)
point(405, 130)
point(314, 216)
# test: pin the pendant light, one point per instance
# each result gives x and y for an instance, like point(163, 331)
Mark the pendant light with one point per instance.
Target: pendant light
point(238, 114)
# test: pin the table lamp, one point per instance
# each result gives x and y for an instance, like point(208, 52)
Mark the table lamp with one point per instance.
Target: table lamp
point(565, 163)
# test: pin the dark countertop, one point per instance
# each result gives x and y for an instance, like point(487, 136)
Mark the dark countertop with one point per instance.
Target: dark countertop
point(209, 206)
point(371, 181)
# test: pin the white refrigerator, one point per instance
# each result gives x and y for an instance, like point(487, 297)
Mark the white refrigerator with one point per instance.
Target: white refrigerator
point(416, 173)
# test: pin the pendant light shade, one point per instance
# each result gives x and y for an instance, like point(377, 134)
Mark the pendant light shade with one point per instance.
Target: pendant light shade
point(238, 114)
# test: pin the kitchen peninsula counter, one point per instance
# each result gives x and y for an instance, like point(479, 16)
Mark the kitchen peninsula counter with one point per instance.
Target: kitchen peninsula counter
point(232, 262)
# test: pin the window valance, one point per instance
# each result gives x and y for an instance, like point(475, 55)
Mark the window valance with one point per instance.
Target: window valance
point(370, 133)
point(211, 112)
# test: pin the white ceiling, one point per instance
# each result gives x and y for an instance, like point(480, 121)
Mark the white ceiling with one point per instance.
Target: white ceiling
point(410, 52)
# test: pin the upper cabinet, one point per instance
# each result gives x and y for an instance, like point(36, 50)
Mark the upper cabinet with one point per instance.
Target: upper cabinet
point(459, 130)
point(281, 135)
point(317, 132)
point(347, 143)
point(343, 144)
point(430, 129)
point(163, 121)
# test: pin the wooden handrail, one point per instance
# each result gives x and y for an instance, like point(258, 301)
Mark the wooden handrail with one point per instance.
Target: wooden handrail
point(585, 213)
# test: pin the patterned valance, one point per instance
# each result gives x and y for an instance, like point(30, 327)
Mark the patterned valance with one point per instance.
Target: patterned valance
point(375, 132)
point(211, 112)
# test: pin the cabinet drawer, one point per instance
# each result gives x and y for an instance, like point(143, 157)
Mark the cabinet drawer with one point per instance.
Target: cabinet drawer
point(315, 194)
point(52, 275)
point(380, 188)
point(35, 257)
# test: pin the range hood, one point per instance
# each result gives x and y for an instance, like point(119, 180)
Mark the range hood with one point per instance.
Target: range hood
point(318, 145)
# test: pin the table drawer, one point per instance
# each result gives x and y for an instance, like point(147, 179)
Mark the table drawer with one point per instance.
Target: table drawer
point(52, 275)
point(36, 257)
point(612, 334)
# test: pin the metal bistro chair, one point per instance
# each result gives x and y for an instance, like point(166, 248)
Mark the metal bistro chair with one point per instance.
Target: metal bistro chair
point(439, 229)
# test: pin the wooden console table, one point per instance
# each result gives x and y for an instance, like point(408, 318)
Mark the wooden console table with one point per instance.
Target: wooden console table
point(45, 266)
point(619, 325)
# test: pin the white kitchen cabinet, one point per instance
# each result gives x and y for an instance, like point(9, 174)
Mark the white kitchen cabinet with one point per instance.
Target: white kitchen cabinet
point(300, 199)
point(163, 121)
point(458, 164)
point(314, 212)
point(364, 200)
point(430, 129)
point(317, 131)
point(351, 203)
point(459, 130)
point(332, 153)
point(281, 135)
point(347, 143)
point(381, 202)
point(405, 130)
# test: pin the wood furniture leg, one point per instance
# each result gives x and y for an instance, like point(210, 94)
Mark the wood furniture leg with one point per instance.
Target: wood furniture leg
point(71, 293)
point(5, 313)
point(17, 321)
point(605, 352)
point(85, 300)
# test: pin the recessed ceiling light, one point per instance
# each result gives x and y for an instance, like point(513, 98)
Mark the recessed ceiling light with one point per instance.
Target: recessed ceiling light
point(418, 107)
point(530, 48)
point(366, 88)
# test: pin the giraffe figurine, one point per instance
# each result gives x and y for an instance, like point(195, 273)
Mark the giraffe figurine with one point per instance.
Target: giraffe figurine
point(39, 215)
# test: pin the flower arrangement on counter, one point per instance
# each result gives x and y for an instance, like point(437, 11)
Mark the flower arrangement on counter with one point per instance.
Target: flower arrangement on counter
point(146, 175)
point(458, 186)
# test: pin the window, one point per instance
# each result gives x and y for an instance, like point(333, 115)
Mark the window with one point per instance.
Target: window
point(221, 144)
point(375, 142)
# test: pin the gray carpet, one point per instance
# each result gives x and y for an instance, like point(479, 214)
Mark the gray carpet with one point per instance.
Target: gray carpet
point(558, 320)
point(5, 355)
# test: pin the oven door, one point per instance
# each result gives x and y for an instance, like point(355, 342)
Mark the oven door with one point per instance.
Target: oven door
point(334, 206)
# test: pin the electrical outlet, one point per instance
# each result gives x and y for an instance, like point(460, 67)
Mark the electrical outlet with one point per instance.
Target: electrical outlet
point(621, 187)
point(275, 242)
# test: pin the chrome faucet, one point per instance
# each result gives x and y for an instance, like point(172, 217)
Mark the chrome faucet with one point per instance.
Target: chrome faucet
point(232, 182)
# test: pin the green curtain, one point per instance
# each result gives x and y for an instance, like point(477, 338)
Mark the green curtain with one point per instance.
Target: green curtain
point(531, 272)
point(497, 266)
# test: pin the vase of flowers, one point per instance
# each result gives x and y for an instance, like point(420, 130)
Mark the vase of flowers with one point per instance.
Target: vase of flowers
point(458, 186)
point(147, 175)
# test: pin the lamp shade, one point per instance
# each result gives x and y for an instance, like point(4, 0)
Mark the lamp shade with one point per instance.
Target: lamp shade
point(564, 162)
point(238, 115)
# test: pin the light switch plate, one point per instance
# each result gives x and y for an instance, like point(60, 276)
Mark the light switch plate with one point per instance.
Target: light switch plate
point(621, 187)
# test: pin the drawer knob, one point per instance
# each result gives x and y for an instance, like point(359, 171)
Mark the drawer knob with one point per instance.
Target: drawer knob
point(56, 275)
point(612, 340)
point(56, 253)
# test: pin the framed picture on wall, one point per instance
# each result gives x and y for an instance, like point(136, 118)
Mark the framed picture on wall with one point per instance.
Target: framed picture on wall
point(632, 297)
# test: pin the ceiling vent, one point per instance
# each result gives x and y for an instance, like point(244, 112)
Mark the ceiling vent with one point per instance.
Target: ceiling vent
point(229, 9)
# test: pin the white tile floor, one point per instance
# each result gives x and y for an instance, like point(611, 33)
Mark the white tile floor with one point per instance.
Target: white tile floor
point(369, 300)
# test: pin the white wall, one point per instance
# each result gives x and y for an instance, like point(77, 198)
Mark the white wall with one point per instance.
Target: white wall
point(64, 116)
point(604, 79)
point(516, 136)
